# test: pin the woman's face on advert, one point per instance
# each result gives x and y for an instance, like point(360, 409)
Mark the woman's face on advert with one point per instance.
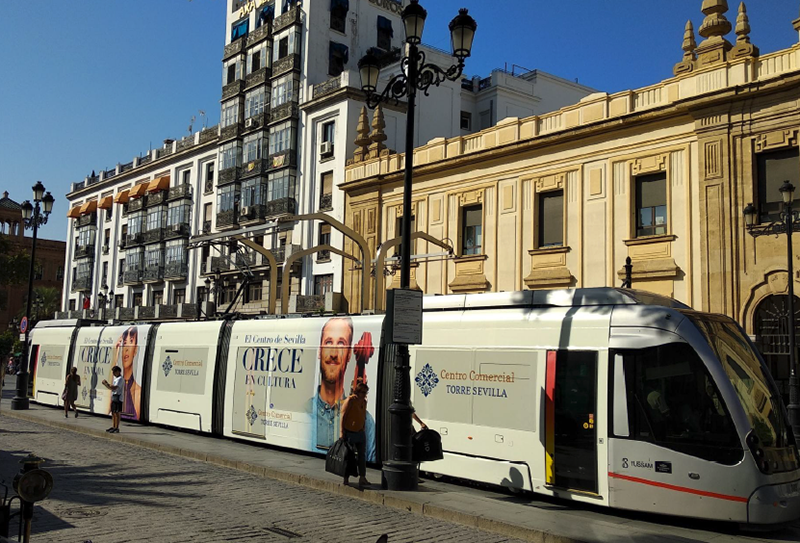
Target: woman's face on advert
point(129, 347)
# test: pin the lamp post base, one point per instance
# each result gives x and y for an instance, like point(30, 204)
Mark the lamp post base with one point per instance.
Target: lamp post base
point(20, 402)
point(399, 475)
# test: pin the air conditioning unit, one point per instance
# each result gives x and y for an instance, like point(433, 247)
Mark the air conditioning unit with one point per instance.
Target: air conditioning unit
point(326, 149)
point(105, 249)
point(251, 123)
point(247, 211)
point(177, 227)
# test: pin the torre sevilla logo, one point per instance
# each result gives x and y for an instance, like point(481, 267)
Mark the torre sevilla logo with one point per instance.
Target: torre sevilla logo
point(251, 415)
point(426, 380)
point(43, 360)
point(167, 366)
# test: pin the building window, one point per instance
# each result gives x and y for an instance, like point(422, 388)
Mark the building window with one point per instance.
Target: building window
point(471, 230)
point(106, 239)
point(230, 155)
point(266, 15)
point(339, 10)
point(324, 238)
point(209, 175)
point(120, 271)
point(230, 113)
point(254, 102)
point(282, 137)
point(551, 219)
point(60, 273)
point(158, 297)
point(178, 213)
point(186, 177)
point(240, 28)
point(288, 43)
point(253, 147)
point(385, 33)
point(466, 120)
point(338, 55)
point(104, 280)
point(175, 252)
point(179, 296)
point(254, 292)
point(136, 299)
point(281, 185)
point(119, 300)
point(72, 305)
point(258, 57)
point(154, 257)
point(232, 70)
point(323, 284)
point(253, 191)
point(285, 89)
point(328, 131)
point(207, 213)
point(773, 169)
point(651, 205)
point(109, 213)
point(38, 271)
point(154, 219)
point(326, 191)
point(227, 198)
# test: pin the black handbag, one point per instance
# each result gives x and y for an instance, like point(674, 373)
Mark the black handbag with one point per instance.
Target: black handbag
point(341, 459)
point(426, 446)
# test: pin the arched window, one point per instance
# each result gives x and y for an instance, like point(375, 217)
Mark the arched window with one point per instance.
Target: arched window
point(771, 326)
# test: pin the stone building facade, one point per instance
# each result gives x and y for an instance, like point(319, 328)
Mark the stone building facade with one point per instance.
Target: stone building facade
point(659, 174)
point(49, 256)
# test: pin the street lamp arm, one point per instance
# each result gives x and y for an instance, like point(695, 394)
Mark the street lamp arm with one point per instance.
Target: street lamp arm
point(396, 88)
point(432, 75)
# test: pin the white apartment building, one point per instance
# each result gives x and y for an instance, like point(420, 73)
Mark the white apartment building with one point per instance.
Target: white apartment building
point(158, 231)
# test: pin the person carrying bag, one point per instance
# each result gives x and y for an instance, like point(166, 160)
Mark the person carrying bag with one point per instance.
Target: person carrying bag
point(341, 459)
point(354, 416)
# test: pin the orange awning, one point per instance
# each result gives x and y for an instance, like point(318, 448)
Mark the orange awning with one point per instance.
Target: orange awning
point(106, 202)
point(74, 212)
point(138, 190)
point(89, 207)
point(121, 197)
point(159, 183)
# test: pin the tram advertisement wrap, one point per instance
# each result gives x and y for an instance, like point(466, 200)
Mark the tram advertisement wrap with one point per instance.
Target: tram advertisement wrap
point(48, 364)
point(182, 370)
point(99, 350)
point(291, 382)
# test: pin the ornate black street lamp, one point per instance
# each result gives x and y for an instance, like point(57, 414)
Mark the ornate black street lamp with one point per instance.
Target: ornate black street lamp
point(400, 472)
point(33, 216)
point(788, 222)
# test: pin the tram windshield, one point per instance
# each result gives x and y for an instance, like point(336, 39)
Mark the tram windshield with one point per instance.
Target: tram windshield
point(755, 389)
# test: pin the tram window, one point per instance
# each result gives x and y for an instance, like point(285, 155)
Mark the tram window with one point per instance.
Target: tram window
point(672, 401)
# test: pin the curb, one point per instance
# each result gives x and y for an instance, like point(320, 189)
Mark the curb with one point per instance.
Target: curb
point(377, 497)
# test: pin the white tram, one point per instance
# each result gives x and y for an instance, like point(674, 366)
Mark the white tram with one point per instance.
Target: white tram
point(607, 396)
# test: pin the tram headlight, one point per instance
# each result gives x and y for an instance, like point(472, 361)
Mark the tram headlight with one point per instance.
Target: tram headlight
point(752, 439)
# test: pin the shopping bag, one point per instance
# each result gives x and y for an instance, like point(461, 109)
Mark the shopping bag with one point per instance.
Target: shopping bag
point(426, 446)
point(64, 395)
point(341, 459)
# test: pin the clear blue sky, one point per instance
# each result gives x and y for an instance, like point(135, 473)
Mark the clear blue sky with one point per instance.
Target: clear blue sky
point(89, 83)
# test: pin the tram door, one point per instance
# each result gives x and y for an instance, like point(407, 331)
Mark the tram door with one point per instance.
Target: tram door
point(570, 425)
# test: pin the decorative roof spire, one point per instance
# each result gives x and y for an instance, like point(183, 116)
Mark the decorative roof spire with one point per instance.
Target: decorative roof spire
point(362, 136)
point(688, 46)
point(715, 25)
point(378, 136)
point(742, 25)
point(743, 47)
point(689, 43)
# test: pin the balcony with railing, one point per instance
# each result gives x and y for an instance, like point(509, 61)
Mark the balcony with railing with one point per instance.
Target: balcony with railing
point(326, 202)
point(133, 240)
point(87, 220)
point(137, 204)
point(146, 312)
point(228, 175)
point(132, 277)
point(232, 89)
point(282, 206)
point(176, 271)
point(126, 313)
point(285, 20)
point(259, 77)
point(327, 87)
point(178, 230)
point(227, 219)
point(233, 48)
point(288, 110)
point(167, 311)
point(286, 64)
point(81, 283)
point(219, 263)
point(249, 214)
point(254, 168)
point(284, 159)
point(84, 251)
point(231, 131)
point(259, 34)
point(156, 198)
point(206, 227)
point(153, 236)
point(209, 134)
point(153, 274)
point(250, 260)
point(181, 191)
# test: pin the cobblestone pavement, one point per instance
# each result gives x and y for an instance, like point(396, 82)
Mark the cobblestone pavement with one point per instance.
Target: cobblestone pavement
point(108, 491)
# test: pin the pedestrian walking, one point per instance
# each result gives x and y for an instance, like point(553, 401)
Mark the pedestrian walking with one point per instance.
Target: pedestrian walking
point(354, 415)
point(71, 391)
point(116, 387)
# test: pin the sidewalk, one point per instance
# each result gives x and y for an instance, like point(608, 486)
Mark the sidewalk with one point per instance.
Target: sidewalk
point(530, 518)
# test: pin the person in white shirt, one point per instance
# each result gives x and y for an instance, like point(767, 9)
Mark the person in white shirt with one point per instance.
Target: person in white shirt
point(117, 388)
